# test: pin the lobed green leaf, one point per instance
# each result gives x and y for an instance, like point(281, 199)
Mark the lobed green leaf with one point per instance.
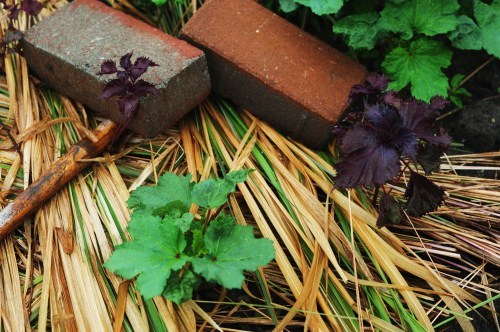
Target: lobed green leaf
point(419, 65)
point(212, 193)
point(467, 35)
point(361, 30)
point(322, 7)
point(170, 188)
point(428, 17)
point(156, 251)
point(180, 289)
point(231, 249)
point(288, 6)
point(488, 19)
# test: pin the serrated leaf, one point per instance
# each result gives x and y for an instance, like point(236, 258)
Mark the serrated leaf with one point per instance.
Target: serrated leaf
point(428, 17)
point(288, 6)
point(237, 176)
point(180, 289)
point(361, 31)
point(156, 250)
point(467, 35)
point(488, 19)
point(170, 188)
point(322, 7)
point(366, 159)
point(183, 222)
point(197, 246)
point(173, 209)
point(420, 66)
point(212, 193)
point(389, 211)
point(423, 195)
point(231, 249)
point(429, 157)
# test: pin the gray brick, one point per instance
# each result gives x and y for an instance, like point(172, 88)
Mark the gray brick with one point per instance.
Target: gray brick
point(66, 49)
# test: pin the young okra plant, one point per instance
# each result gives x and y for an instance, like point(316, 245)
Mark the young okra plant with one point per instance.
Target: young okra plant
point(391, 135)
point(172, 251)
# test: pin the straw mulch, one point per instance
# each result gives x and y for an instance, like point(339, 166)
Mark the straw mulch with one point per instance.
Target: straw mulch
point(334, 269)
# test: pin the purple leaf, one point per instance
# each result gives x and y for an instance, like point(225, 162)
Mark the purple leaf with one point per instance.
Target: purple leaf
point(389, 211)
point(122, 75)
point(423, 195)
point(140, 66)
point(13, 14)
point(438, 103)
point(429, 157)
point(116, 87)
point(383, 117)
point(374, 85)
point(389, 127)
point(31, 7)
point(356, 138)
point(368, 161)
point(143, 88)
point(108, 67)
point(392, 98)
point(125, 62)
point(421, 120)
point(369, 166)
point(128, 106)
point(377, 82)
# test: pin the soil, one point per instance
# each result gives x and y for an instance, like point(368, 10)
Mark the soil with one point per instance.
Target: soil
point(477, 124)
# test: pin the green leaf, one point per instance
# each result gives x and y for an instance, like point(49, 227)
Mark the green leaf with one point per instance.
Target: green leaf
point(180, 289)
point(420, 66)
point(173, 209)
point(288, 6)
point(183, 222)
point(467, 35)
point(456, 101)
point(322, 7)
point(237, 176)
point(170, 188)
point(361, 30)
point(198, 245)
point(488, 19)
point(213, 193)
point(154, 253)
point(428, 17)
point(231, 249)
point(456, 80)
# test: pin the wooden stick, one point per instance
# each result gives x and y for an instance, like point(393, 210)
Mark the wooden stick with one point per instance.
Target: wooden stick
point(59, 174)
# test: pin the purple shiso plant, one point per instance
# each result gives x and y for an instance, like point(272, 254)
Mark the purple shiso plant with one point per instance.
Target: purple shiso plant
point(389, 136)
point(127, 86)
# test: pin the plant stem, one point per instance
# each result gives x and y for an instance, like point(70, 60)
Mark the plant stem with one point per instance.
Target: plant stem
point(12, 139)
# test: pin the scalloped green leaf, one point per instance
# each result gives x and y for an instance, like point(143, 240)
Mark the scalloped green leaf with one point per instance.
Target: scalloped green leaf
point(231, 249)
point(420, 66)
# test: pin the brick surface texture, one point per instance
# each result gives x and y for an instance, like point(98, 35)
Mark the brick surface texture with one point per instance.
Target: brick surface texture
point(272, 68)
point(66, 49)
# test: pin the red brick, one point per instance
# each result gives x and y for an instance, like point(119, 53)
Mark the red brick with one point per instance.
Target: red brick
point(272, 68)
point(66, 49)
